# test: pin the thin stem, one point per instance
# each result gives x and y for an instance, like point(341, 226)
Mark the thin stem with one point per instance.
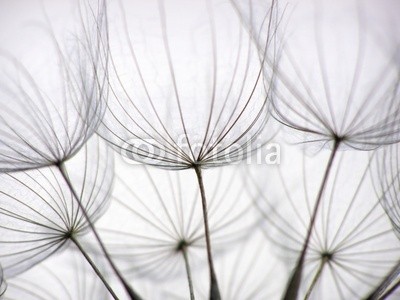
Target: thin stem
point(316, 277)
point(295, 280)
point(377, 293)
point(132, 294)
point(93, 265)
point(214, 290)
point(390, 291)
point(188, 272)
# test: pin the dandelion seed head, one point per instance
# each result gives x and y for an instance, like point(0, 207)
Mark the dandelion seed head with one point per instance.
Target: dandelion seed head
point(52, 99)
point(160, 218)
point(334, 78)
point(188, 87)
point(351, 231)
point(39, 214)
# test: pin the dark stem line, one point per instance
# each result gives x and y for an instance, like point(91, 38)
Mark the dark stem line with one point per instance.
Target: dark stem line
point(377, 293)
point(188, 272)
point(132, 294)
point(214, 289)
point(316, 278)
point(293, 286)
point(94, 267)
point(390, 291)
